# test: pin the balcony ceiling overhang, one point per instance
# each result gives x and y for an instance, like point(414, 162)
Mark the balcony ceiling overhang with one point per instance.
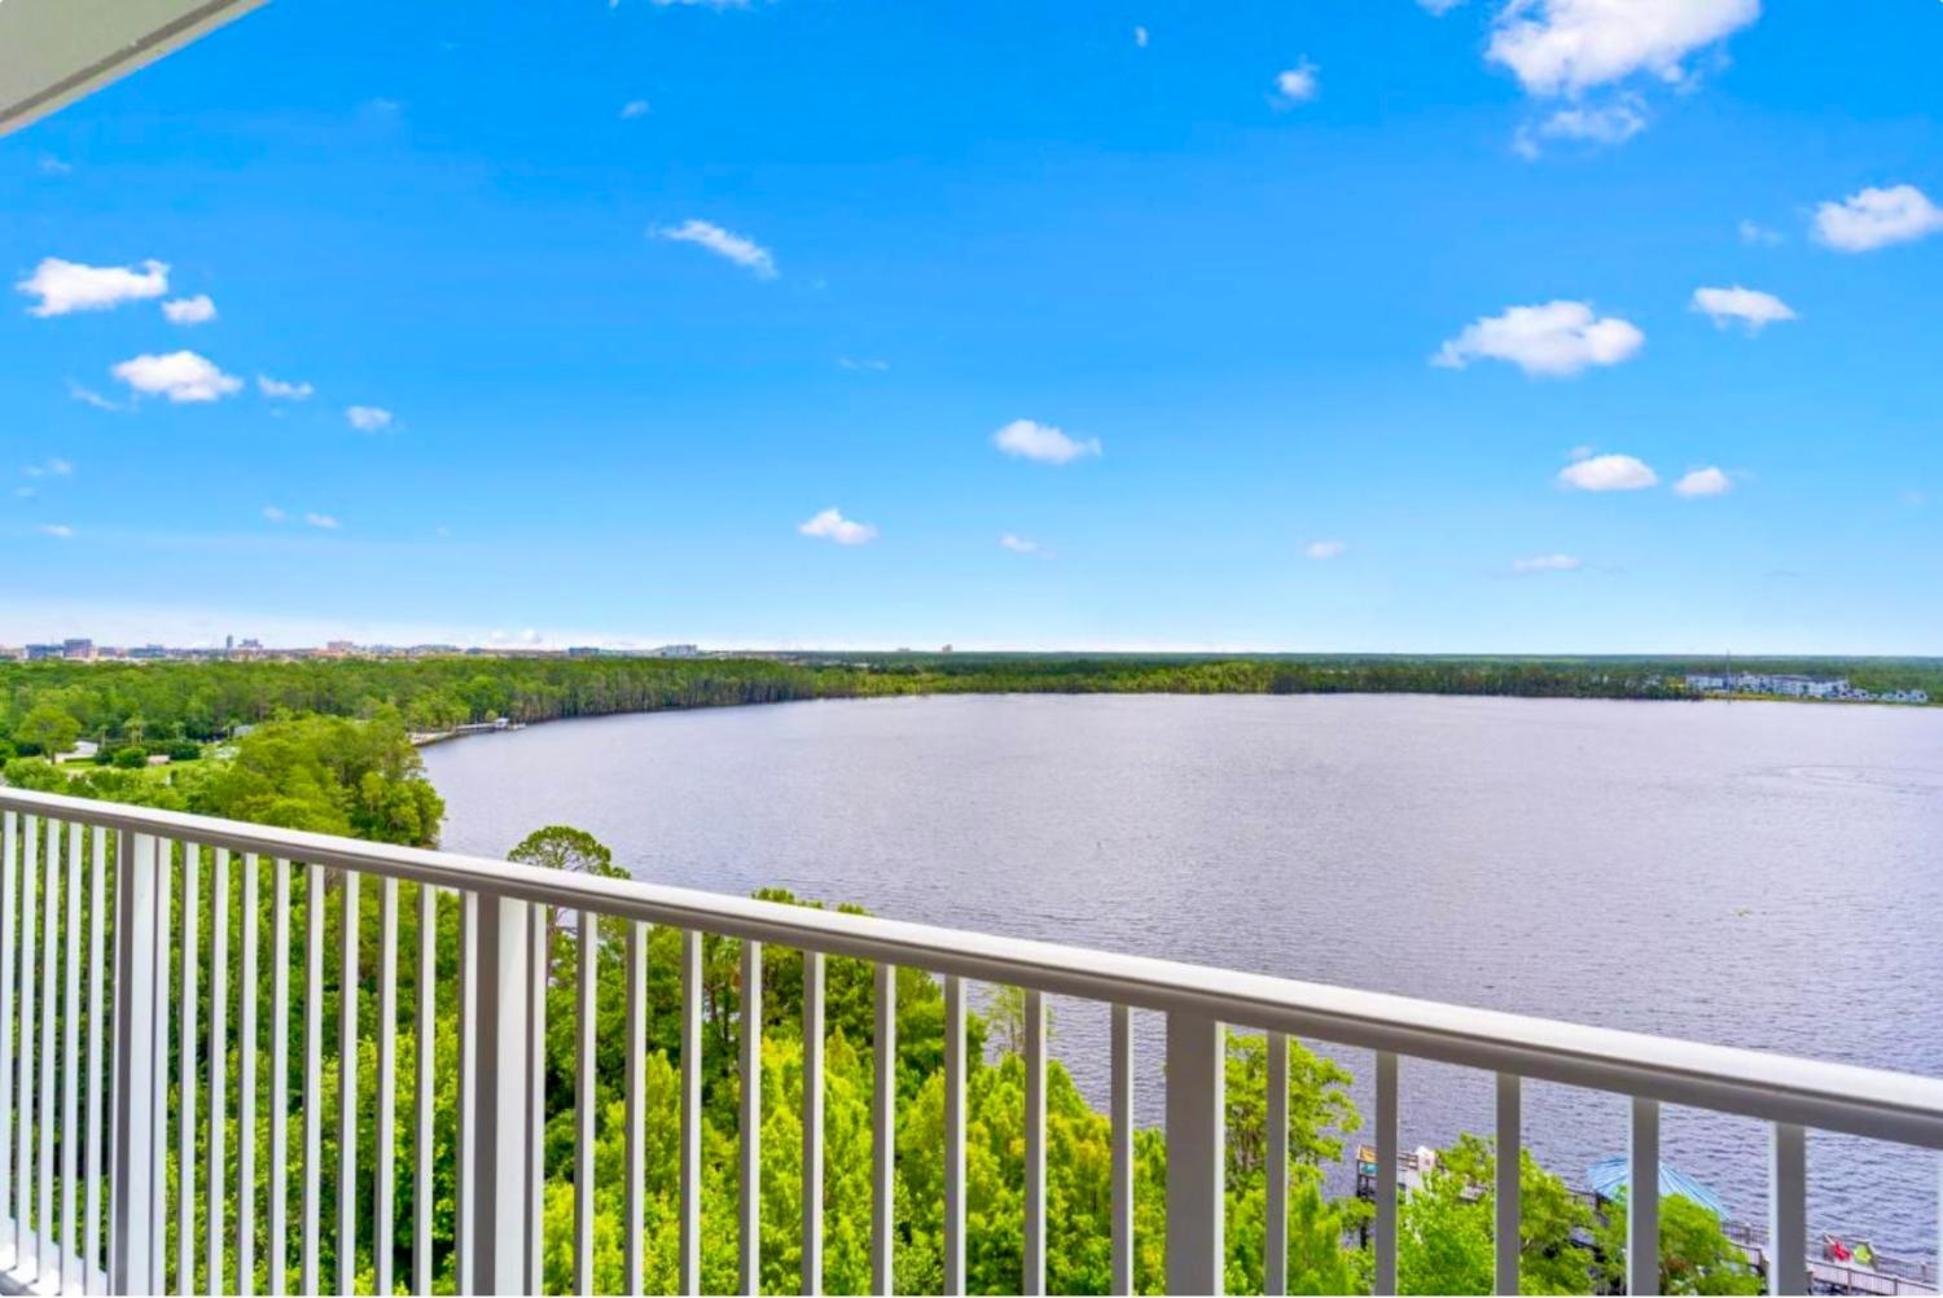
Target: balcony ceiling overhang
point(55, 51)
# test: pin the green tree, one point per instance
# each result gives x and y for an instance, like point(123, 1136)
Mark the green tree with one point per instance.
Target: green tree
point(331, 775)
point(1447, 1229)
point(1696, 1257)
point(47, 728)
point(562, 847)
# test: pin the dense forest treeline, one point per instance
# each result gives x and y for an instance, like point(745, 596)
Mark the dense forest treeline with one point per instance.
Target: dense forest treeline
point(47, 705)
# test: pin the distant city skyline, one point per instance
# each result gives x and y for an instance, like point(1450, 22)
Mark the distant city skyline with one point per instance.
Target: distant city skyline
point(1414, 327)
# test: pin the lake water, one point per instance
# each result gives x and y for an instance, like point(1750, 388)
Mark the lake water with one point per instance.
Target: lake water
point(1763, 875)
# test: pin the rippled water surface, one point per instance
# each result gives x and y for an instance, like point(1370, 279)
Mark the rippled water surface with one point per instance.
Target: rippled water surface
point(1766, 875)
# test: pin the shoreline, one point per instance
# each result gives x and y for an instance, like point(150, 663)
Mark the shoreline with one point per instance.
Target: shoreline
point(475, 730)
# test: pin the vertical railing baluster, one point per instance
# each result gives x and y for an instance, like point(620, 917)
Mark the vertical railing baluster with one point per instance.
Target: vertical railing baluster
point(690, 1196)
point(1510, 1154)
point(1787, 1209)
point(1643, 1200)
point(276, 1236)
point(314, 919)
point(883, 1133)
point(218, 1058)
point(24, 1115)
point(465, 1239)
point(812, 1122)
point(540, 933)
point(347, 1089)
point(158, 1234)
point(185, 1108)
point(1275, 1260)
point(954, 1102)
point(1120, 1105)
point(1385, 1244)
point(69, 1245)
point(637, 1099)
point(97, 953)
point(1196, 1158)
point(585, 1025)
point(9, 894)
point(1035, 1143)
point(50, 972)
point(129, 1252)
point(383, 1223)
point(246, 1047)
point(502, 943)
point(749, 1240)
point(427, 1051)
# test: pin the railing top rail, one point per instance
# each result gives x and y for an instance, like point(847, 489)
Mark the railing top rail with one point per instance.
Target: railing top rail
point(1869, 1102)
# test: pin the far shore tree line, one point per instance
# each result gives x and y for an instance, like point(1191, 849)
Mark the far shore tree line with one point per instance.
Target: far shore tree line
point(165, 707)
point(362, 777)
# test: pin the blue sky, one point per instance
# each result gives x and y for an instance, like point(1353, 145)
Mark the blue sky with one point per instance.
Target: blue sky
point(1362, 327)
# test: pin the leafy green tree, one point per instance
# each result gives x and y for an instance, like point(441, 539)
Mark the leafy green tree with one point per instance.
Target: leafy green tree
point(331, 775)
point(562, 847)
point(1696, 1257)
point(36, 774)
point(1447, 1230)
point(47, 728)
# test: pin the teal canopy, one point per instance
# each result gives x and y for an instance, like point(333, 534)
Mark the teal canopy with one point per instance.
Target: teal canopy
point(1609, 1176)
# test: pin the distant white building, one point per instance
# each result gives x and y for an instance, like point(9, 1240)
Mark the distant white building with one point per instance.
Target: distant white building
point(1798, 687)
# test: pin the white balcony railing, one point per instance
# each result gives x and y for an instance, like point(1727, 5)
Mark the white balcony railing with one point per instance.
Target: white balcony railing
point(86, 1038)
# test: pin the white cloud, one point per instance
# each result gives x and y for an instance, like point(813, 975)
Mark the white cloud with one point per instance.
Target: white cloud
point(1566, 47)
point(53, 467)
point(1029, 440)
point(273, 514)
point(1613, 123)
point(59, 531)
point(1755, 235)
point(866, 364)
point(1019, 544)
point(1875, 218)
point(280, 390)
point(65, 286)
point(1440, 7)
point(368, 419)
point(1547, 563)
point(179, 376)
point(190, 310)
point(1325, 549)
point(89, 397)
point(831, 525)
point(1140, 37)
point(634, 108)
point(1298, 85)
point(1704, 482)
point(1556, 339)
point(324, 521)
point(1751, 307)
point(744, 252)
point(1608, 473)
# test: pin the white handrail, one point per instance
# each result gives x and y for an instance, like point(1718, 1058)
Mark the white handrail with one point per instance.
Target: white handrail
point(1869, 1102)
